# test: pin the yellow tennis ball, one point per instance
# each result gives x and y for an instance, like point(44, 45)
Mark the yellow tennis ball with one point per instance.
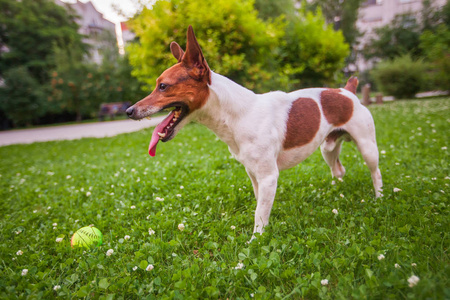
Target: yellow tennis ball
point(86, 237)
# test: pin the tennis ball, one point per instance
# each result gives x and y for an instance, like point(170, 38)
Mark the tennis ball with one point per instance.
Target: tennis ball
point(86, 237)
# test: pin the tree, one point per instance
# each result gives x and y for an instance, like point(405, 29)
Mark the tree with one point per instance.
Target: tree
point(235, 41)
point(396, 39)
point(259, 54)
point(22, 98)
point(343, 14)
point(269, 9)
point(313, 52)
point(29, 30)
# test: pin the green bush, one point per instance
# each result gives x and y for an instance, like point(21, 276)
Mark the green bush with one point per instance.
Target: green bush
point(401, 77)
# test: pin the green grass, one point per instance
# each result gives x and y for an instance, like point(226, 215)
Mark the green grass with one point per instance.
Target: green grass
point(99, 181)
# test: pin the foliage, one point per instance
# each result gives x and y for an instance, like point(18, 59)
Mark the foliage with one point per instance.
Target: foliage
point(401, 77)
point(396, 39)
point(29, 30)
point(436, 47)
point(236, 43)
point(313, 52)
point(79, 87)
point(269, 9)
point(113, 184)
point(343, 14)
point(21, 97)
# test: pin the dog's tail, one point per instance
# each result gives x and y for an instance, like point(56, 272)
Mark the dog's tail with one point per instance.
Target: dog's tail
point(352, 84)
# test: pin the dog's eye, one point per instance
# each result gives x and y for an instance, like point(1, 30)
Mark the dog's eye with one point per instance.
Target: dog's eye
point(162, 87)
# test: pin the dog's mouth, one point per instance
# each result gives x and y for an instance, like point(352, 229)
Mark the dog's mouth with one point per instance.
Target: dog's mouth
point(165, 130)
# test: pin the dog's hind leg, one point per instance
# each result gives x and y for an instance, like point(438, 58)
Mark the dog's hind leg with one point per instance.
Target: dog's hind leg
point(331, 148)
point(362, 132)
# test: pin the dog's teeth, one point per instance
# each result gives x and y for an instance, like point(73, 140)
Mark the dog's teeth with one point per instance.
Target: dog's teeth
point(161, 134)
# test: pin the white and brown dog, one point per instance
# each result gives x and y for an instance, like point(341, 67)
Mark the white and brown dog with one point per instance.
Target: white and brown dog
point(266, 133)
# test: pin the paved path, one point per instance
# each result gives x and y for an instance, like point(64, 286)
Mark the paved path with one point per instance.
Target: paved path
point(73, 132)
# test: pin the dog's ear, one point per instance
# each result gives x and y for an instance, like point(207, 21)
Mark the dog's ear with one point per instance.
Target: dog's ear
point(193, 59)
point(177, 51)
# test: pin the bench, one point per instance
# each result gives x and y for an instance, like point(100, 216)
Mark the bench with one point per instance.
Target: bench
point(112, 109)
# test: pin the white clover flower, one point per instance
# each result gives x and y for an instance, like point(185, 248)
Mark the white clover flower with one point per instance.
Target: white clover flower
point(148, 217)
point(233, 227)
point(88, 194)
point(383, 152)
point(324, 282)
point(159, 199)
point(340, 179)
point(68, 177)
point(396, 190)
point(133, 206)
point(56, 287)
point(149, 268)
point(151, 231)
point(444, 148)
point(181, 227)
point(414, 265)
point(24, 272)
point(380, 257)
point(342, 195)
point(34, 211)
point(413, 280)
point(397, 266)
point(181, 187)
point(127, 237)
point(335, 211)
point(109, 252)
point(135, 268)
point(20, 252)
point(362, 201)
point(239, 266)
point(59, 240)
point(333, 182)
point(50, 173)
point(13, 258)
point(54, 228)
point(178, 195)
point(55, 224)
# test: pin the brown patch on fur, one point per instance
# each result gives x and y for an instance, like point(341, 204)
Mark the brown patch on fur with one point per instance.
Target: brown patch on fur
point(181, 88)
point(352, 84)
point(337, 108)
point(303, 123)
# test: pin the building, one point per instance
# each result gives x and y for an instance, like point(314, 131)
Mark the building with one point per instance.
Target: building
point(98, 31)
point(378, 13)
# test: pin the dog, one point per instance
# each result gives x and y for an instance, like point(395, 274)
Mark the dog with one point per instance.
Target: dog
point(265, 132)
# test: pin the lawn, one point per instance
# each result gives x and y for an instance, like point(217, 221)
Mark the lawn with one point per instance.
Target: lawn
point(367, 250)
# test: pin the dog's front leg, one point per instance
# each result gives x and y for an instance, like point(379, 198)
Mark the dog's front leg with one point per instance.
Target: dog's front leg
point(254, 183)
point(267, 187)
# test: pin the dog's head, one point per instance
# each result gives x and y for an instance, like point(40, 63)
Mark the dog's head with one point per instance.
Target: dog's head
point(183, 88)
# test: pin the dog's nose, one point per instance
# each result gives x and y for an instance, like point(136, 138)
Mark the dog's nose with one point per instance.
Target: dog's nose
point(130, 111)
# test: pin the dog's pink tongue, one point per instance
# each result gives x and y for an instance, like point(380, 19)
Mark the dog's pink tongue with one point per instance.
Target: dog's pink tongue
point(155, 137)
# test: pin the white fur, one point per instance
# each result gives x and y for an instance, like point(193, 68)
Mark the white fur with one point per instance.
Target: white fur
point(254, 128)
